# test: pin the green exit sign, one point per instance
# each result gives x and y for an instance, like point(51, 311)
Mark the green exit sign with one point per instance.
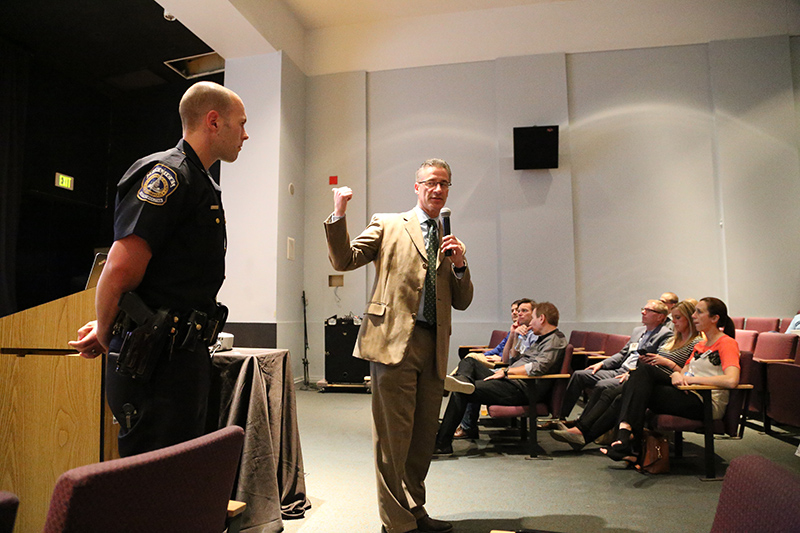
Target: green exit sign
point(65, 182)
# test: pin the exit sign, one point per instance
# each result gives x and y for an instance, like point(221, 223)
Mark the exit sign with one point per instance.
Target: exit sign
point(65, 182)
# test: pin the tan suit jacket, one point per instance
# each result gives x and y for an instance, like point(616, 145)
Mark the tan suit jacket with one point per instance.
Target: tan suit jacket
point(395, 244)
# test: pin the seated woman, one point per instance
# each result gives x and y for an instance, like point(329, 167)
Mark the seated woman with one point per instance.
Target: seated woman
point(714, 361)
point(602, 410)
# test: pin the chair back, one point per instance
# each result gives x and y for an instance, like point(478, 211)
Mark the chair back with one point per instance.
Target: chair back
point(577, 338)
point(746, 338)
point(185, 487)
point(773, 345)
point(736, 402)
point(757, 495)
point(595, 341)
point(614, 343)
point(9, 503)
point(560, 386)
point(738, 322)
point(785, 324)
point(497, 336)
point(761, 324)
point(784, 395)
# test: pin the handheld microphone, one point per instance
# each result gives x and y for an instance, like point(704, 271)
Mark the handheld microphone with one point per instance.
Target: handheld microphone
point(445, 212)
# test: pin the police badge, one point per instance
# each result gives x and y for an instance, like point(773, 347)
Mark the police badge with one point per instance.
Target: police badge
point(157, 185)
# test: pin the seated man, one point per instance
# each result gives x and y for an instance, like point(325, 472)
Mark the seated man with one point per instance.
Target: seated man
point(474, 382)
point(670, 299)
point(468, 429)
point(644, 339)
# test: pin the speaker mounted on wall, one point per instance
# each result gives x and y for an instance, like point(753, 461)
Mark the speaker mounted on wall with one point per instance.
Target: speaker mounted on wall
point(535, 147)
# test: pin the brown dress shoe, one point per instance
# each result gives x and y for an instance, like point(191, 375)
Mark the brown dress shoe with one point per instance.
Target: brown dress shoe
point(462, 434)
point(426, 524)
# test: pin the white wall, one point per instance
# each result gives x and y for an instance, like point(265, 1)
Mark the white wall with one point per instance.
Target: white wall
point(290, 192)
point(250, 193)
point(642, 154)
point(336, 145)
point(758, 172)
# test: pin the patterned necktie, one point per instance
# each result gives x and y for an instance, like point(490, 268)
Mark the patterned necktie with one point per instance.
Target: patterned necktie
point(429, 310)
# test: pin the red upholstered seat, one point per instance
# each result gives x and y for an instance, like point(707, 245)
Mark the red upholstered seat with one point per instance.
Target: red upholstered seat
point(577, 338)
point(185, 487)
point(746, 339)
point(770, 347)
point(757, 495)
point(783, 387)
point(761, 324)
point(775, 346)
point(497, 336)
point(614, 343)
point(595, 341)
point(738, 322)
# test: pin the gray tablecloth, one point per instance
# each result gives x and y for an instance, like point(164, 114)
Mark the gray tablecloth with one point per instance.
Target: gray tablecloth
point(253, 388)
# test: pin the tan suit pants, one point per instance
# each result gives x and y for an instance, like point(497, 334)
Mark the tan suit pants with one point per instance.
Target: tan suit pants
point(405, 412)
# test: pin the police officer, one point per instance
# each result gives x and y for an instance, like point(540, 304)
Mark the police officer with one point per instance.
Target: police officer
point(169, 249)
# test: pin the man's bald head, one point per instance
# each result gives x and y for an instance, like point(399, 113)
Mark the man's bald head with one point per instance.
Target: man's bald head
point(201, 98)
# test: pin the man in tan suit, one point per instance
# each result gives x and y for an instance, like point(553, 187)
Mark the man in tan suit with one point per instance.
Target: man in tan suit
point(405, 334)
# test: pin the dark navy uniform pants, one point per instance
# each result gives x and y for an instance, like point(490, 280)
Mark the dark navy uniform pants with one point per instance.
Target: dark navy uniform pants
point(169, 408)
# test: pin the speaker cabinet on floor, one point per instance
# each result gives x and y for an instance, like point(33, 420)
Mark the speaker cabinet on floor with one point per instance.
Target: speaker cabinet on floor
point(340, 339)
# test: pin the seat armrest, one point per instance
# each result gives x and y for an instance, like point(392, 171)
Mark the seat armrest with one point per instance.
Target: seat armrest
point(235, 508)
point(544, 376)
point(741, 386)
point(473, 347)
point(770, 361)
point(235, 516)
point(584, 352)
point(598, 357)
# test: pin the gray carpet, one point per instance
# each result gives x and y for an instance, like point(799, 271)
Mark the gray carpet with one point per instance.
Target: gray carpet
point(489, 484)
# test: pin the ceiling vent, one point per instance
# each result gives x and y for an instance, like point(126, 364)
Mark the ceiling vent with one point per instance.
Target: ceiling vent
point(197, 66)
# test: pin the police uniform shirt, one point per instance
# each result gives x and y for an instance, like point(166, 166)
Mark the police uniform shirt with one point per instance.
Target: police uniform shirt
point(169, 200)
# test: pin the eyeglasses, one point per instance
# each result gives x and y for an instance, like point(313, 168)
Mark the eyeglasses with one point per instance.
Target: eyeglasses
point(432, 184)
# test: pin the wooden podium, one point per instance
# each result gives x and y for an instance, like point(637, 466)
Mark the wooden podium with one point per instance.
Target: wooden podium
point(53, 415)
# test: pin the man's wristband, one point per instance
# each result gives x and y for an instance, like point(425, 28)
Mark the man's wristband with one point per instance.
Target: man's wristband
point(505, 371)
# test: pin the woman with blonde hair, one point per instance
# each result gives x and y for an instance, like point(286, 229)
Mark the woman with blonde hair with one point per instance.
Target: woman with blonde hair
point(602, 410)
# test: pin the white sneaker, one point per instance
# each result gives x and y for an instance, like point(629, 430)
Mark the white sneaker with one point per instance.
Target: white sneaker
point(456, 384)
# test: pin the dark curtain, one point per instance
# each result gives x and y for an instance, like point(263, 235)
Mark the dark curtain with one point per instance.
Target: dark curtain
point(14, 71)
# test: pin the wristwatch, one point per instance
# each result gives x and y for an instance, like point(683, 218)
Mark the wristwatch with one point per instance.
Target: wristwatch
point(505, 371)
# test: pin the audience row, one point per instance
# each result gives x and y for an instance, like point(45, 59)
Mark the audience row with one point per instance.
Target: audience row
point(680, 345)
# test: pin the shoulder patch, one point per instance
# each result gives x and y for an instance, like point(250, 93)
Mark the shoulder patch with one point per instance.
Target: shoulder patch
point(157, 185)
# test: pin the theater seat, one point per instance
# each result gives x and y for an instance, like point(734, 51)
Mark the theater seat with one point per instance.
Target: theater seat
point(746, 339)
point(757, 495)
point(761, 324)
point(186, 487)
